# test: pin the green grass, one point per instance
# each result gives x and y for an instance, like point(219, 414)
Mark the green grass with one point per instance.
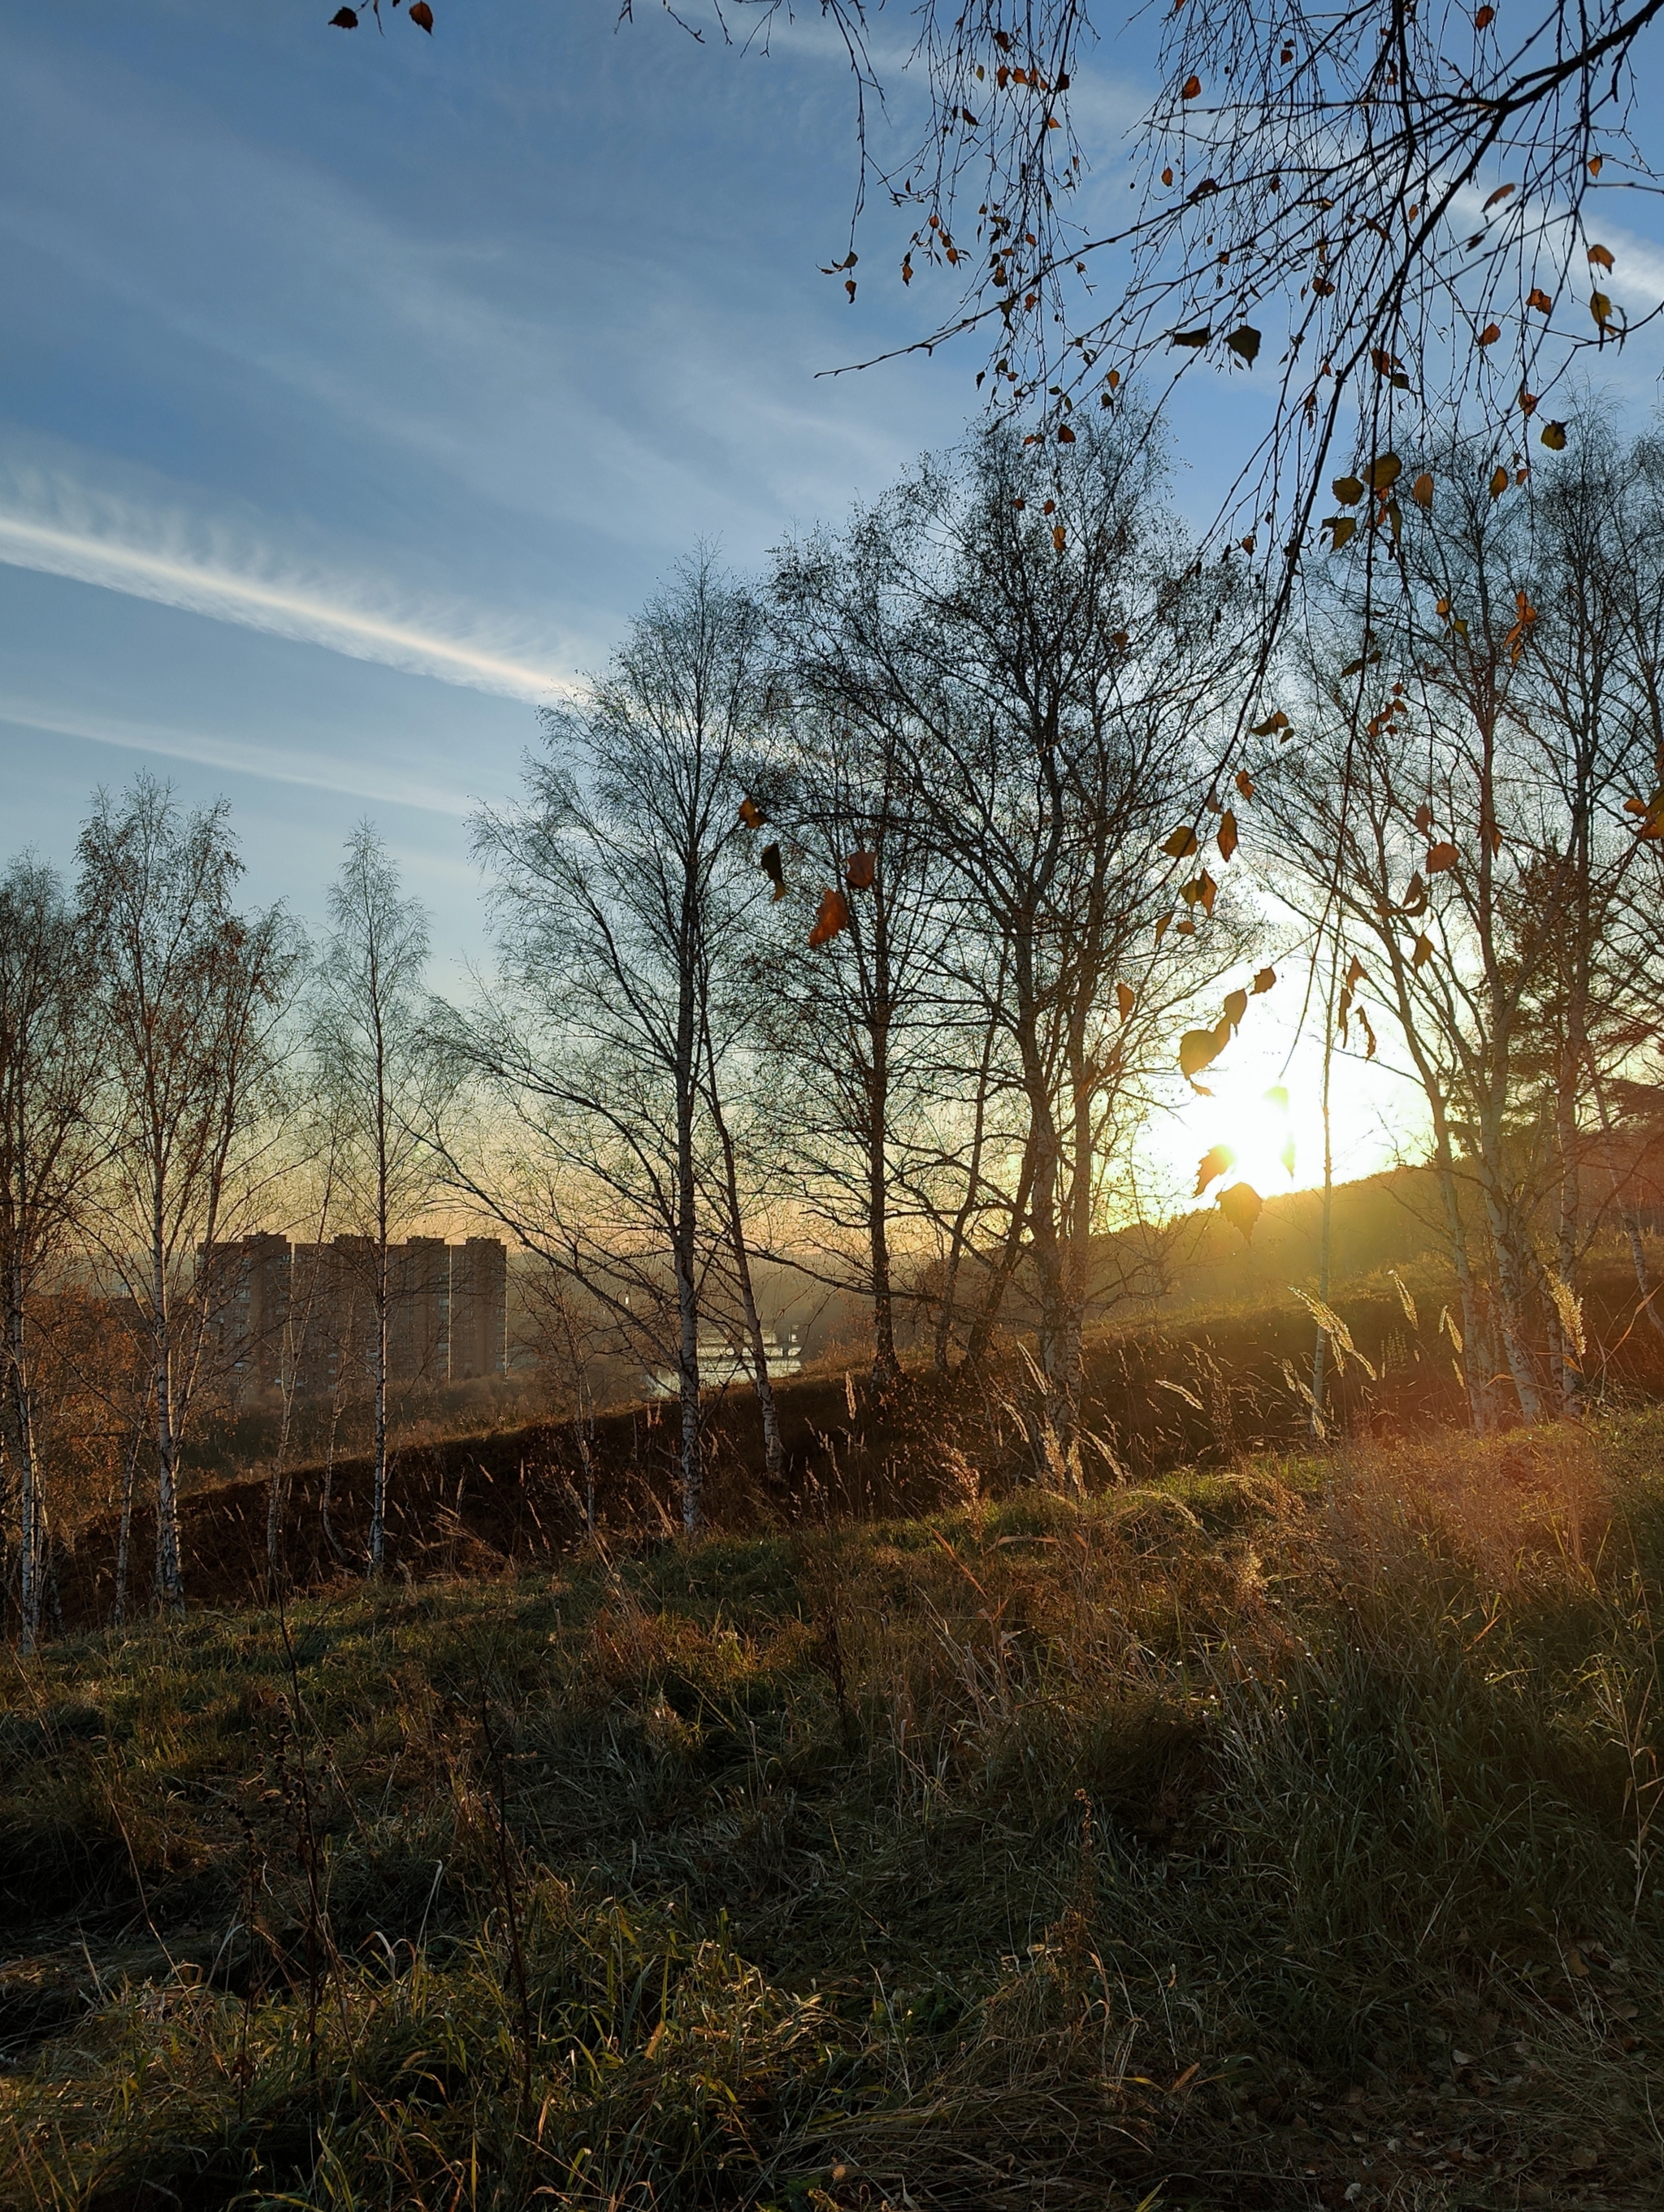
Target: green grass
point(1246, 1838)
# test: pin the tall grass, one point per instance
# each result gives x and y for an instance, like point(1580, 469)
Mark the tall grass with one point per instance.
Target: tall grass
point(1275, 1838)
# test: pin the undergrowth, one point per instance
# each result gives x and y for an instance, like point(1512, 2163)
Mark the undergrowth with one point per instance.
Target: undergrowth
point(1267, 1838)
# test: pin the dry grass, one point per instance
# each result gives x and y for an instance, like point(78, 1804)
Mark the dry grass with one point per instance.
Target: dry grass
point(1265, 1838)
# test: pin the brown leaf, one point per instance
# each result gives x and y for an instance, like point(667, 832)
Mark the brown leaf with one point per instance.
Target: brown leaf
point(1355, 974)
point(1594, 164)
point(770, 862)
point(1206, 891)
point(1499, 483)
point(1217, 1160)
point(833, 915)
point(1538, 298)
point(1265, 979)
point(1600, 257)
point(1162, 927)
point(1483, 21)
point(1190, 89)
point(1245, 783)
point(1342, 527)
point(1271, 724)
point(1059, 538)
point(1228, 836)
point(1183, 842)
point(1383, 472)
point(1245, 344)
point(1424, 951)
point(1127, 998)
point(1425, 812)
point(1065, 437)
point(1192, 338)
point(1422, 490)
point(1415, 898)
point(751, 814)
point(859, 871)
point(1363, 1023)
point(1440, 857)
point(344, 19)
point(1600, 308)
point(1489, 335)
point(1236, 1005)
point(1241, 1205)
point(422, 15)
point(1502, 193)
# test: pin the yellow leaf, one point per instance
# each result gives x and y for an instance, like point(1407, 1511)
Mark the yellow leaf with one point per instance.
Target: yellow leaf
point(1384, 471)
point(1554, 437)
point(1499, 483)
point(1236, 1005)
point(1183, 842)
point(1600, 308)
point(1059, 538)
point(1348, 490)
point(1197, 1048)
point(1343, 526)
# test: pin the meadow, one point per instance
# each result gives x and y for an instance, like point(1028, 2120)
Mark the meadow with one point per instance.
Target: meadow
point(1274, 1834)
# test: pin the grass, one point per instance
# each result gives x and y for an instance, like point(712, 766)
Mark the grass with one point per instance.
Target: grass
point(1268, 1838)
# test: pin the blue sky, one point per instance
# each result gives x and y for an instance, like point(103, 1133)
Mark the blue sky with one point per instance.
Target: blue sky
point(353, 389)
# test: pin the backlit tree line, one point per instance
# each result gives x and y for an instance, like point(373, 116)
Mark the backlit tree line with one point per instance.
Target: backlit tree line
point(857, 918)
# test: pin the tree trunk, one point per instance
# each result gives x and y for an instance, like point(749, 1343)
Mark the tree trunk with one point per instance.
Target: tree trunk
point(1510, 1297)
point(684, 1239)
point(774, 1457)
point(20, 1443)
point(170, 1580)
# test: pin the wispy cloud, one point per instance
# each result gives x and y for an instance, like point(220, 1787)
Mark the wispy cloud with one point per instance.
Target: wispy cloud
point(350, 779)
point(135, 539)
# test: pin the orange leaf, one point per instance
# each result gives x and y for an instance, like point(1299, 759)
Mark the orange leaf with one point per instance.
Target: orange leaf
point(1228, 836)
point(1192, 89)
point(1500, 194)
point(1236, 1005)
point(1490, 334)
point(1241, 1205)
point(1245, 783)
point(1422, 490)
point(1264, 979)
point(1059, 538)
point(833, 915)
point(422, 15)
point(1216, 1161)
point(1355, 974)
point(1423, 950)
point(1599, 255)
point(1538, 298)
point(1127, 998)
point(1499, 483)
point(1483, 21)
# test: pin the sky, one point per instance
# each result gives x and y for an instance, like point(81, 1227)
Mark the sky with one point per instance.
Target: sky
point(354, 389)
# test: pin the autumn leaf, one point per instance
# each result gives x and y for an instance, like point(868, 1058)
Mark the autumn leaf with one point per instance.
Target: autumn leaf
point(1127, 998)
point(1217, 1160)
point(1383, 472)
point(1245, 783)
point(1191, 89)
point(1236, 1005)
point(1065, 437)
point(1162, 927)
point(751, 814)
point(1197, 1048)
point(1497, 197)
point(1190, 337)
point(1483, 21)
point(1355, 974)
point(1271, 724)
point(1499, 483)
point(1342, 527)
point(1205, 890)
point(1440, 857)
point(1489, 335)
point(769, 860)
point(833, 915)
point(1183, 842)
point(1538, 298)
point(1424, 817)
point(1422, 490)
point(1363, 1023)
point(1245, 344)
point(1348, 490)
point(1554, 437)
point(1600, 257)
point(1415, 897)
point(1600, 308)
point(1265, 980)
point(1059, 538)
point(1228, 837)
point(859, 871)
point(1424, 951)
point(1167, 176)
point(1594, 164)
point(1241, 1205)
point(422, 15)
point(344, 19)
